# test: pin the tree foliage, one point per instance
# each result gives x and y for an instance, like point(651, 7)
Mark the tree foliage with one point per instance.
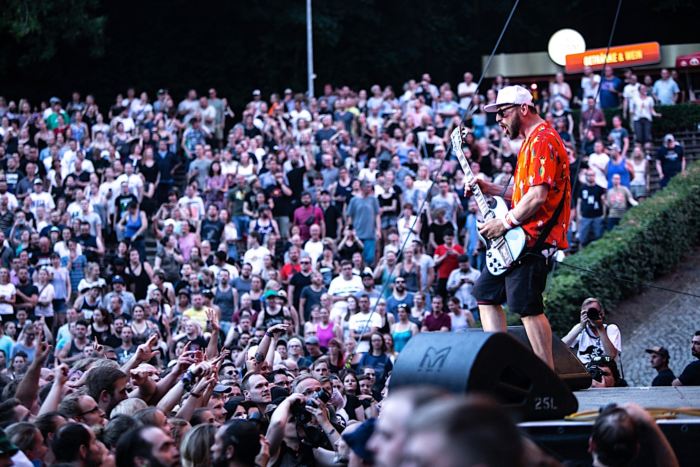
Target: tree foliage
point(101, 47)
point(36, 30)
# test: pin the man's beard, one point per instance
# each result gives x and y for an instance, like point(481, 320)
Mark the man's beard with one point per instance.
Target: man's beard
point(514, 128)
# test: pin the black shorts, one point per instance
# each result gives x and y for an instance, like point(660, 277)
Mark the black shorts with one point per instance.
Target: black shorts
point(521, 287)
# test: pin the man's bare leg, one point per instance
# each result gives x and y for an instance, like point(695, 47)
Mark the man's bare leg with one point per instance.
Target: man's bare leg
point(493, 318)
point(539, 332)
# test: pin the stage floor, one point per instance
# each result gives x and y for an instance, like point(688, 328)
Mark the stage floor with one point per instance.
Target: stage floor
point(568, 440)
point(661, 397)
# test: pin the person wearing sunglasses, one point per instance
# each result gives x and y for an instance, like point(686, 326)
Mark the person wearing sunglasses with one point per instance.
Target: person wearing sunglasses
point(540, 198)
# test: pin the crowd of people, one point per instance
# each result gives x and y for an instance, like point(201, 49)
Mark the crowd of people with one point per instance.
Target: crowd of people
point(310, 240)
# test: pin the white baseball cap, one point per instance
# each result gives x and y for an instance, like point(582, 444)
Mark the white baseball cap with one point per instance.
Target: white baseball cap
point(513, 95)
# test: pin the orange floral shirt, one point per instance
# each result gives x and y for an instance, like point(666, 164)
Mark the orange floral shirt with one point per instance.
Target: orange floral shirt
point(543, 160)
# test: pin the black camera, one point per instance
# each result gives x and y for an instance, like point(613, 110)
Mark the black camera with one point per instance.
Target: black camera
point(299, 409)
point(593, 314)
point(310, 435)
point(595, 372)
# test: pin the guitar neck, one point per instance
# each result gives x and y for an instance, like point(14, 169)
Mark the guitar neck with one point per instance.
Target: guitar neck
point(476, 190)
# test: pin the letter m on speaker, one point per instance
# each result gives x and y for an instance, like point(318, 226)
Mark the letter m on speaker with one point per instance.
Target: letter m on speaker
point(434, 359)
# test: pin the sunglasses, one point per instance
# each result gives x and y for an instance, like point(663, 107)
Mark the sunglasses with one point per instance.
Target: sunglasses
point(502, 112)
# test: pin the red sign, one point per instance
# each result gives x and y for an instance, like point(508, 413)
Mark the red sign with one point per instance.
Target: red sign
point(623, 56)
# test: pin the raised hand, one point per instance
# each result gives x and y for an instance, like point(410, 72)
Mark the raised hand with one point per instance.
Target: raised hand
point(213, 318)
point(145, 352)
point(60, 373)
point(186, 359)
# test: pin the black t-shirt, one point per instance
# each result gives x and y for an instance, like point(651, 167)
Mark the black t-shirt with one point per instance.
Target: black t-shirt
point(671, 160)
point(88, 241)
point(664, 378)
point(211, 231)
point(312, 298)
point(198, 343)
point(330, 217)
point(122, 202)
point(385, 202)
point(346, 251)
point(295, 177)
point(283, 203)
point(438, 231)
point(352, 403)
point(591, 200)
point(299, 281)
point(691, 374)
point(29, 289)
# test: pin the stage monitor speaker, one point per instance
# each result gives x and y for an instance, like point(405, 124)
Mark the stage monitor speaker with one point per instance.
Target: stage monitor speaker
point(566, 365)
point(492, 363)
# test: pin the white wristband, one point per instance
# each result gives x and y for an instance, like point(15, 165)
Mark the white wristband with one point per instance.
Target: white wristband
point(506, 224)
point(512, 218)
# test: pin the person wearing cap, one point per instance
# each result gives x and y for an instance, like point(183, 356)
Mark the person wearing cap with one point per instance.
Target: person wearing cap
point(41, 198)
point(313, 349)
point(670, 159)
point(658, 359)
point(541, 187)
point(119, 289)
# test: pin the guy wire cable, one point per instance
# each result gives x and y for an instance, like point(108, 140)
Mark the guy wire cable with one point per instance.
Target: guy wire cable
point(422, 206)
point(586, 127)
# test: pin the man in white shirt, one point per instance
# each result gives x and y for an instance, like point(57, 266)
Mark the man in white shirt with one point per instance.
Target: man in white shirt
point(40, 198)
point(461, 282)
point(598, 162)
point(363, 323)
point(466, 90)
point(343, 286)
point(314, 245)
point(629, 94)
point(256, 253)
point(589, 85)
point(192, 203)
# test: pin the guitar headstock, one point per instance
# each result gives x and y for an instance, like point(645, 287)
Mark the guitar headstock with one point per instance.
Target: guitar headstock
point(459, 135)
point(456, 138)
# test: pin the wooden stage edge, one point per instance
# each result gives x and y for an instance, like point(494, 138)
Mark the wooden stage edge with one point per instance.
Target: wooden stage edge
point(657, 397)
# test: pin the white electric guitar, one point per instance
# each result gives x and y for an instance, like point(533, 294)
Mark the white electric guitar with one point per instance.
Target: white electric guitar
point(502, 251)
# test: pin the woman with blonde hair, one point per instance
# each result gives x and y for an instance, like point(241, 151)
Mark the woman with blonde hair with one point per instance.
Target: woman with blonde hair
point(195, 449)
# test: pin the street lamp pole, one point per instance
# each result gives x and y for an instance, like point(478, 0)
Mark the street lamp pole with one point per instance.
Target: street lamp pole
point(309, 50)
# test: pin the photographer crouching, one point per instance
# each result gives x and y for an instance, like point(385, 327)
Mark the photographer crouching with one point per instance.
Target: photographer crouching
point(592, 337)
point(300, 431)
point(597, 345)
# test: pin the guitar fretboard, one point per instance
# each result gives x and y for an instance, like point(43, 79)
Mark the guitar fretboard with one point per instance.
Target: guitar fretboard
point(456, 138)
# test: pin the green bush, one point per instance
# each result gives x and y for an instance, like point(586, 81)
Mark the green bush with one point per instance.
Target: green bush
point(650, 240)
point(674, 118)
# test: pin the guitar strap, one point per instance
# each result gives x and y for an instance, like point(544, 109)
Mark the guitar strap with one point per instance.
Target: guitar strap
point(537, 247)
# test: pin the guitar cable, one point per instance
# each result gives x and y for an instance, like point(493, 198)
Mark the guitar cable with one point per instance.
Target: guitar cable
point(432, 185)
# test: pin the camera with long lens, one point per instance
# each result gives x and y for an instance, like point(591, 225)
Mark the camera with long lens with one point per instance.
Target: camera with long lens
point(593, 314)
point(312, 435)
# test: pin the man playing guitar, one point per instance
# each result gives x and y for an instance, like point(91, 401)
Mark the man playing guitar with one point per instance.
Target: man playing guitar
point(540, 196)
